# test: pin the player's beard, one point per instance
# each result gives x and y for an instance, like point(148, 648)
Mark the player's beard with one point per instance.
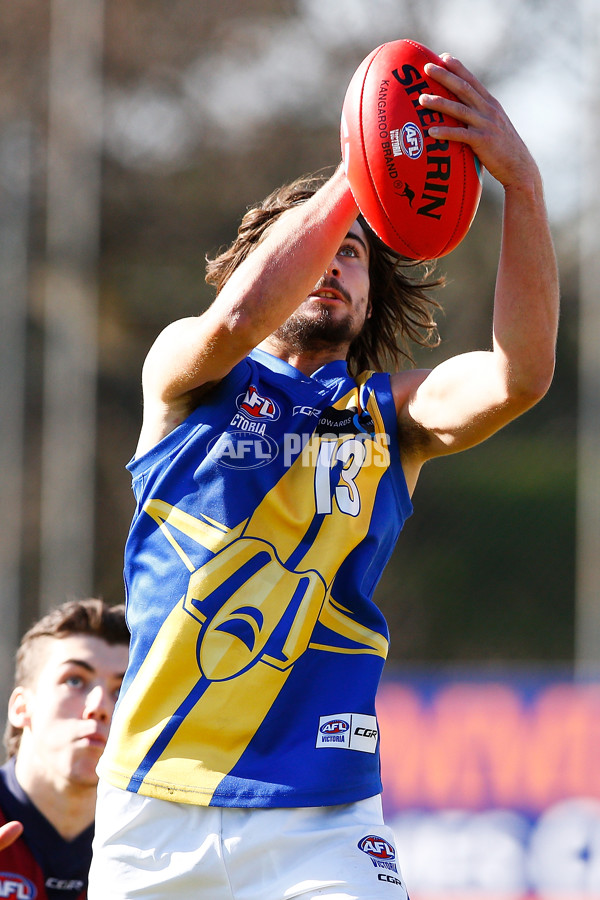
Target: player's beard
point(305, 333)
point(321, 328)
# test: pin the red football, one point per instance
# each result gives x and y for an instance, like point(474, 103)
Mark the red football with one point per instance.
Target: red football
point(418, 194)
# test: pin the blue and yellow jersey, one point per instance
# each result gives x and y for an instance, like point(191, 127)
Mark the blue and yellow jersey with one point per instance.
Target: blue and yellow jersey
point(263, 523)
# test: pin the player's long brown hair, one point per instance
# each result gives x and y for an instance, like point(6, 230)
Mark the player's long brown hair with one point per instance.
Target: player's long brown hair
point(402, 306)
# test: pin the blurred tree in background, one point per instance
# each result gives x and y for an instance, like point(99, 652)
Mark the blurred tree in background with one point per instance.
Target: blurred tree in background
point(207, 107)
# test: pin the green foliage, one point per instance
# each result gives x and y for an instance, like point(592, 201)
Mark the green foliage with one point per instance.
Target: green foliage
point(485, 567)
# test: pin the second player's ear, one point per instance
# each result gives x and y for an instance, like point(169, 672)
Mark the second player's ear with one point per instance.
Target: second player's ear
point(18, 707)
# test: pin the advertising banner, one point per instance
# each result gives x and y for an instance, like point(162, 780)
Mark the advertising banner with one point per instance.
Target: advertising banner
point(492, 784)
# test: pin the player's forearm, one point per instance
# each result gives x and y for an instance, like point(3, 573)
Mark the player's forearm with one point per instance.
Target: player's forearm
point(527, 291)
point(280, 273)
point(258, 297)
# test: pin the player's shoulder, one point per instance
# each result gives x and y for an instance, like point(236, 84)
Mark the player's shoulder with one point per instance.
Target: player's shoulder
point(404, 384)
point(173, 334)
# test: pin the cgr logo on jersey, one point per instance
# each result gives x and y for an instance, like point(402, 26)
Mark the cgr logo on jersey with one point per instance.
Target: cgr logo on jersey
point(16, 887)
point(306, 411)
point(256, 406)
point(381, 853)
point(65, 884)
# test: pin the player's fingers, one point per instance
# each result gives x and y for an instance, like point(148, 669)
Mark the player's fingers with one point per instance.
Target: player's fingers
point(462, 112)
point(473, 105)
point(9, 833)
point(456, 67)
point(468, 91)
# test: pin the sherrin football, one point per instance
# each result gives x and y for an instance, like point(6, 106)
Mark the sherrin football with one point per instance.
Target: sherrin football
point(419, 194)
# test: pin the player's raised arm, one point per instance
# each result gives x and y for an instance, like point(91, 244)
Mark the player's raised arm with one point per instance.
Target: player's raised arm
point(260, 294)
point(467, 398)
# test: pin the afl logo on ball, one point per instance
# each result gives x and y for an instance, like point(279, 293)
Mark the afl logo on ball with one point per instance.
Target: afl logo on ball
point(407, 141)
point(412, 141)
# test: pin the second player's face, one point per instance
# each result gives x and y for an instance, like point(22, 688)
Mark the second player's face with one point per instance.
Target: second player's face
point(69, 708)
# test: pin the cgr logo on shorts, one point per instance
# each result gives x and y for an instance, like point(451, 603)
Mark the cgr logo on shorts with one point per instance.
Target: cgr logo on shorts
point(16, 887)
point(390, 879)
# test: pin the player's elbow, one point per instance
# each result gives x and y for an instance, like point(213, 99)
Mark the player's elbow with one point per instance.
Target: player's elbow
point(531, 385)
point(242, 328)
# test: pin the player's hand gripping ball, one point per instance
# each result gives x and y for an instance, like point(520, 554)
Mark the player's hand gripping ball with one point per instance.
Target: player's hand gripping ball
point(419, 194)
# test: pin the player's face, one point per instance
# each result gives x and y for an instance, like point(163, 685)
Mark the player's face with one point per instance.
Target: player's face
point(335, 311)
point(66, 713)
point(345, 282)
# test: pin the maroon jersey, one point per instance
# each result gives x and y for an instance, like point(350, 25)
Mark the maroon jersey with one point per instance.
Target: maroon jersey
point(39, 865)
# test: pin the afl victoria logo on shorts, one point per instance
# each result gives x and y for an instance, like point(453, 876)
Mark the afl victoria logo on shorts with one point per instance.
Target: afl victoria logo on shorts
point(16, 887)
point(381, 853)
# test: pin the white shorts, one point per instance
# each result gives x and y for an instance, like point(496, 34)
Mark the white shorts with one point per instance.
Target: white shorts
point(158, 850)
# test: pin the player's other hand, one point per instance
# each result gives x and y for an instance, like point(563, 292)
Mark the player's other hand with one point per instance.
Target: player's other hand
point(9, 834)
point(484, 124)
